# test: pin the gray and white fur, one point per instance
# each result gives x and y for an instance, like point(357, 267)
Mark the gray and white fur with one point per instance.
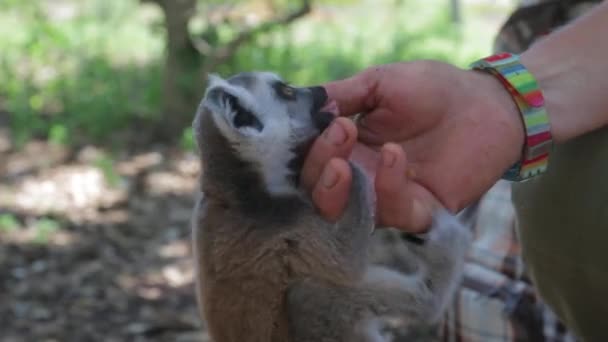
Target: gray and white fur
point(269, 268)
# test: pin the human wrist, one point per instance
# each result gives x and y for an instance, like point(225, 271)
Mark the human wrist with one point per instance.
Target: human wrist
point(504, 115)
point(528, 97)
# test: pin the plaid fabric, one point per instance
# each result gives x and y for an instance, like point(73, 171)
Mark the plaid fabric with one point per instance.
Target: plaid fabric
point(496, 301)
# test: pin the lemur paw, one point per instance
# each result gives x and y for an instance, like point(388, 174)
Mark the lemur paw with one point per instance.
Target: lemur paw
point(447, 230)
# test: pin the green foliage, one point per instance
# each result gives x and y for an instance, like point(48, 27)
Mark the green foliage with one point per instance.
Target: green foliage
point(8, 223)
point(187, 141)
point(58, 134)
point(314, 51)
point(77, 78)
point(106, 165)
point(84, 76)
point(44, 228)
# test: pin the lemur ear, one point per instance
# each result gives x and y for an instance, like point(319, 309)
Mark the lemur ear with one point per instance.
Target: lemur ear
point(220, 98)
point(217, 99)
point(215, 95)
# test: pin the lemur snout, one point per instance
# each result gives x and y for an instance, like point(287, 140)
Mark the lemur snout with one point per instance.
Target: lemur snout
point(320, 117)
point(319, 98)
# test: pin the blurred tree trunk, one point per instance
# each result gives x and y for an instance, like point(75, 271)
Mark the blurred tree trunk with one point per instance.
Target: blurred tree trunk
point(455, 11)
point(181, 74)
point(189, 60)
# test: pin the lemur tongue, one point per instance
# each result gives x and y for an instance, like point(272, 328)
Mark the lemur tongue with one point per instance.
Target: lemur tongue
point(331, 107)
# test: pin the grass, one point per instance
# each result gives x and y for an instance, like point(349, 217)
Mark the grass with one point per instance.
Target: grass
point(44, 229)
point(81, 77)
point(106, 165)
point(8, 223)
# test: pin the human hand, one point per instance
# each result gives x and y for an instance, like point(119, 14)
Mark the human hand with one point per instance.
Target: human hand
point(432, 134)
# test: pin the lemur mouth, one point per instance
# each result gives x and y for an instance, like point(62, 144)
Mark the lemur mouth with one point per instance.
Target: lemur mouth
point(323, 110)
point(324, 116)
point(331, 107)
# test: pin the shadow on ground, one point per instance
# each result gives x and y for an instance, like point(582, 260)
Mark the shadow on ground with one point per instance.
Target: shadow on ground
point(96, 253)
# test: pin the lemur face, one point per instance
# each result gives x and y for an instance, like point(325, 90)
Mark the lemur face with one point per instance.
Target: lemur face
point(269, 124)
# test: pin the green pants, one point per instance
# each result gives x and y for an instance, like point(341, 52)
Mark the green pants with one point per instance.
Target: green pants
point(563, 226)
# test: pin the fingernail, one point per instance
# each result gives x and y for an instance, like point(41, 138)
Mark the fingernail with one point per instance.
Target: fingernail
point(410, 173)
point(388, 158)
point(329, 178)
point(336, 134)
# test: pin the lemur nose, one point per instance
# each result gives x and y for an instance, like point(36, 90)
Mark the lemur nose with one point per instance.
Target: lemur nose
point(321, 119)
point(319, 98)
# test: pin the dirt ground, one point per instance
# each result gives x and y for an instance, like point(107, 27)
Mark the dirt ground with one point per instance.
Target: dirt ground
point(91, 254)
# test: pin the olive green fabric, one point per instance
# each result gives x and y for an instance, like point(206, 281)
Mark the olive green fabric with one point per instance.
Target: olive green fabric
point(563, 225)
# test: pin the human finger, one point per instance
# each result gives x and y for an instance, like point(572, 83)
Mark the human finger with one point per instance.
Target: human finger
point(336, 141)
point(401, 203)
point(330, 194)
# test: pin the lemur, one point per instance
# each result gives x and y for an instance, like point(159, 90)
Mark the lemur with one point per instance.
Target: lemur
point(268, 266)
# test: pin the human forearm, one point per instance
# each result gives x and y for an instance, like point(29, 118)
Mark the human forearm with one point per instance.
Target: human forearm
point(571, 66)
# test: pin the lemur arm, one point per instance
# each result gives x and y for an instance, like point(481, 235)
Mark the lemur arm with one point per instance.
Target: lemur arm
point(440, 263)
point(322, 312)
point(354, 228)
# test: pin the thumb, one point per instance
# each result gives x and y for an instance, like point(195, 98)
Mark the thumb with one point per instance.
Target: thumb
point(330, 194)
point(354, 94)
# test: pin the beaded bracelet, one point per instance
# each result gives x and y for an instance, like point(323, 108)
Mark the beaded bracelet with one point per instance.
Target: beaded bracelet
point(525, 91)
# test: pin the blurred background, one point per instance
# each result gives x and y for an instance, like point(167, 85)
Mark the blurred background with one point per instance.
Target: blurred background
point(97, 161)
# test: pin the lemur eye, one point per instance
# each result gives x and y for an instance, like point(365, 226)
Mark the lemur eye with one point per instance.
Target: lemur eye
point(288, 91)
point(284, 91)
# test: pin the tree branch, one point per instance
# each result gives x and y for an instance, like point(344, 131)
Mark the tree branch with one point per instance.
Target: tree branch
point(202, 46)
point(223, 53)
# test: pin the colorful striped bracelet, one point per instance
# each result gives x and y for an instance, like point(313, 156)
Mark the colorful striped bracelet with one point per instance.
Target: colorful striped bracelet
point(525, 91)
